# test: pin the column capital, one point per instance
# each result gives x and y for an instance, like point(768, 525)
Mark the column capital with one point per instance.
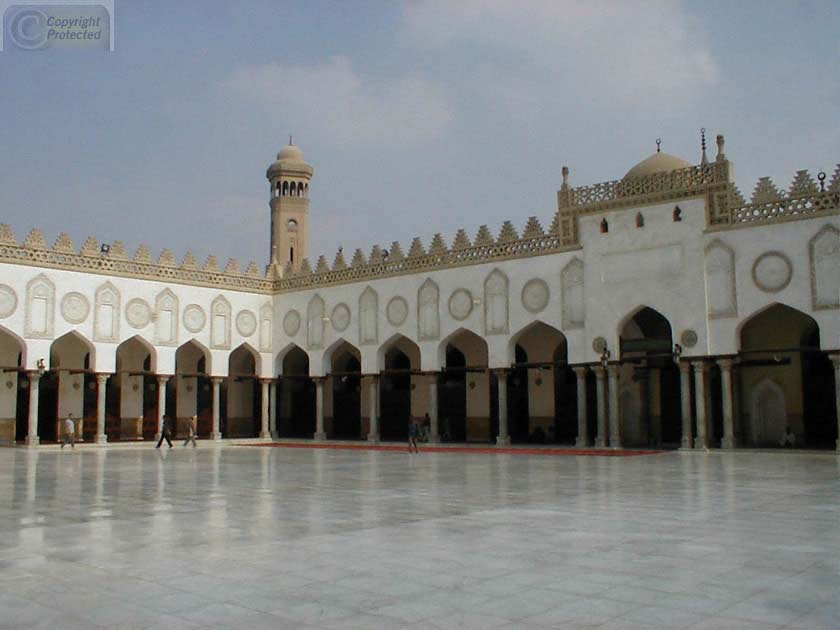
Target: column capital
point(266, 381)
point(600, 371)
point(685, 366)
point(501, 371)
point(33, 375)
point(701, 365)
point(217, 380)
point(613, 369)
point(373, 376)
point(726, 363)
point(163, 379)
point(102, 377)
point(318, 380)
point(581, 371)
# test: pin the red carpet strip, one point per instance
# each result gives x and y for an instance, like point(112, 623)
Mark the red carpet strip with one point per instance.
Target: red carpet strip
point(474, 450)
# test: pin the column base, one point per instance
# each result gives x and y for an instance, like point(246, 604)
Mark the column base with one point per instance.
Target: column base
point(727, 443)
point(600, 442)
point(216, 437)
point(34, 440)
point(615, 444)
point(581, 443)
point(502, 440)
point(265, 436)
point(373, 438)
point(687, 443)
point(319, 436)
point(102, 439)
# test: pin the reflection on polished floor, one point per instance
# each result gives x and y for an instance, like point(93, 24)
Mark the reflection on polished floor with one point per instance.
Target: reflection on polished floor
point(239, 537)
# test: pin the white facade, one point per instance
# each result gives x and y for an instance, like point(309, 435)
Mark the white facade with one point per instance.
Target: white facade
point(670, 243)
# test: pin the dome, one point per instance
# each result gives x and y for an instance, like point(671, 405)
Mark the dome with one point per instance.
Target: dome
point(291, 153)
point(657, 163)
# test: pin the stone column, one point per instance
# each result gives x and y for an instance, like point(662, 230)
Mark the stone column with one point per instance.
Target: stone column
point(32, 438)
point(601, 405)
point(272, 414)
point(642, 377)
point(503, 439)
point(320, 434)
point(701, 381)
point(655, 402)
point(161, 404)
point(615, 412)
point(727, 393)
point(215, 432)
point(583, 429)
point(101, 389)
point(434, 434)
point(373, 391)
point(835, 359)
point(264, 432)
point(685, 404)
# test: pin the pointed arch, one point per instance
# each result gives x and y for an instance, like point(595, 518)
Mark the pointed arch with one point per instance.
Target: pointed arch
point(469, 343)
point(645, 330)
point(280, 358)
point(336, 348)
point(535, 337)
point(248, 349)
point(106, 313)
point(139, 342)
point(790, 319)
point(402, 343)
point(189, 354)
point(69, 352)
point(11, 344)
point(39, 315)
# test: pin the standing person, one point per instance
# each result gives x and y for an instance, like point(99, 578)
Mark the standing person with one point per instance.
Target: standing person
point(427, 427)
point(191, 432)
point(413, 434)
point(69, 436)
point(164, 432)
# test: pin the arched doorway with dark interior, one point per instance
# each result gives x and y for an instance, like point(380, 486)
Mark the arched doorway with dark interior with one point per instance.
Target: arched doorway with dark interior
point(343, 416)
point(295, 396)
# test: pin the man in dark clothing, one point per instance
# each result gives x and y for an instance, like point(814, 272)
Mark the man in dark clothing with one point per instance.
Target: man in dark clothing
point(164, 433)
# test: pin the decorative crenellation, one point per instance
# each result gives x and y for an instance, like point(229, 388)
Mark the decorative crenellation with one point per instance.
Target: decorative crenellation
point(803, 199)
point(90, 259)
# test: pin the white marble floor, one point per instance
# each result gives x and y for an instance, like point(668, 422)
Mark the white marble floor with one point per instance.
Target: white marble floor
point(250, 537)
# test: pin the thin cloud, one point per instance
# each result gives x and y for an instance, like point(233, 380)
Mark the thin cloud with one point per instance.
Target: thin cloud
point(335, 103)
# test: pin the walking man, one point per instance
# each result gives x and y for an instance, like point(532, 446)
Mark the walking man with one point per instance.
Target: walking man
point(413, 434)
point(69, 436)
point(164, 433)
point(191, 432)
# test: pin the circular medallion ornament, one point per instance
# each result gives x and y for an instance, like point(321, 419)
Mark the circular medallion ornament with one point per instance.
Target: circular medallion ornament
point(137, 313)
point(535, 295)
point(772, 272)
point(688, 338)
point(8, 301)
point(246, 323)
point(291, 323)
point(74, 307)
point(460, 304)
point(340, 317)
point(599, 344)
point(397, 311)
point(194, 318)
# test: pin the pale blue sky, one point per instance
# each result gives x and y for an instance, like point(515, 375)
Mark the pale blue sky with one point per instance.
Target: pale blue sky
point(419, 117)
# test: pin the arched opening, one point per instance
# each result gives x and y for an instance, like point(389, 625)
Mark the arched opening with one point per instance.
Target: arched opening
point(300, 189)
point(68, 388)
point(285, 189)
point(295, 396)
point(342, 413)
point(131, 412)
point(785, 381)
point(650, 383)
point(542, 391)
point(242, 395)
point(190, 392)
point(399, 392)
point(14, 395)
point(464, 390)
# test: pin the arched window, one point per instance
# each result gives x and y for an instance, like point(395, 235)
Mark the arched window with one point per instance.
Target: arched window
point(300, 189)
point(605, 227)
point(292, 225)
point(285, 188)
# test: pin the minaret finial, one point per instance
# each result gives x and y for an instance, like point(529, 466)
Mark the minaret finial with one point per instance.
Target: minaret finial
point(290, 139)
point(658, 143)
point(703, 159)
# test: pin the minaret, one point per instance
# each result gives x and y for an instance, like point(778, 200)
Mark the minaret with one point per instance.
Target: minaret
point(288, 178)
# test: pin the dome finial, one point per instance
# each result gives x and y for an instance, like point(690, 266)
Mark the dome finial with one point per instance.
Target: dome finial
point(703, 159)
point(290, 140)
point(658, 144)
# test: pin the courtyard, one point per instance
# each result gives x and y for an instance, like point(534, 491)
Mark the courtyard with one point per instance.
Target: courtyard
point(262, 537)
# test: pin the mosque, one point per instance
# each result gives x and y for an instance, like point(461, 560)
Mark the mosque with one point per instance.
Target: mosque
point(662, 309)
